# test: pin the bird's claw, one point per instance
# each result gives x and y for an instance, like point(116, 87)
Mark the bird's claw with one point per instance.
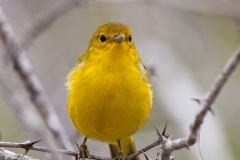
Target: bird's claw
point(83, 152)
point(120, 156)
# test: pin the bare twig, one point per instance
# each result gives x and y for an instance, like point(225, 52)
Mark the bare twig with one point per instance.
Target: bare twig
point(19, 109)
point(48, 18)
point(154, 144)
point(9, 155)
point(18, 103)
point(26, 114)
point(168, 145)
point(30, 146)
point(32, 84)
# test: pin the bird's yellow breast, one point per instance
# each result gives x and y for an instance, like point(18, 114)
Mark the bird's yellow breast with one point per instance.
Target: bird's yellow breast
point(108, 102)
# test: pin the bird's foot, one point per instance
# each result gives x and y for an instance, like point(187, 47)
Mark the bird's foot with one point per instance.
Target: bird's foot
point(120, 156)
point(83, 152)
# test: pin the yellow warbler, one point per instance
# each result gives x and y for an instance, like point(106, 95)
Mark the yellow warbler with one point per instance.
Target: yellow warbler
point(109, 95)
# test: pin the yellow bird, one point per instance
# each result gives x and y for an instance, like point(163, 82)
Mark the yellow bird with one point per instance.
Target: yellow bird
point(109, 96)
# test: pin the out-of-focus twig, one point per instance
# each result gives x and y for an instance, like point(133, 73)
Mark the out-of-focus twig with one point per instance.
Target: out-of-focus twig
point(168, 145)
point(47, 19)
point(32, 84)
point(9, 155)
point(20, 111)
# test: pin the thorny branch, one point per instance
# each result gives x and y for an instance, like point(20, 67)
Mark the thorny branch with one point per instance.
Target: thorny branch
point(23, 67)
point(9, 155)
point(28, 145)
point(47, 19)
point(168, 145)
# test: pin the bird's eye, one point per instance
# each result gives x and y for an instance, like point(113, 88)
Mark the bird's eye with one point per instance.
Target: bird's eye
point(102, 38)
point(130, 38)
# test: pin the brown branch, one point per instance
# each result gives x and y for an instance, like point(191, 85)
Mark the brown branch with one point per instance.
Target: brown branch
point(32, 84)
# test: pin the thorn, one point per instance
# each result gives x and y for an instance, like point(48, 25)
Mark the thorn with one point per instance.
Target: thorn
point(197, 99)
point(34, 142)
point(164, 130)
point(25, 153)
point(77, 146)
point(79, 151)
point(159, 134)
point(163, 134)
point(187, 148)
point(212, 111)
point(27, 145)
point(147, 158)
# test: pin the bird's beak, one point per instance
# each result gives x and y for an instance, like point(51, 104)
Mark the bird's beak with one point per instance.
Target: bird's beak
point(118, 38)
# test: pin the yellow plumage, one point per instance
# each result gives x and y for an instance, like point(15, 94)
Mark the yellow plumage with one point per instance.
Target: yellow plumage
point(109, 94)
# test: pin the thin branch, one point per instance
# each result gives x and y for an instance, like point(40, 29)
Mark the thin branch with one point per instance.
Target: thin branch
point(18, 103)
point(30, 146)
point(9, 155)
point(32, 84)
point(168, 145)
point(48, 18)
point(25, 113)
point(154, 144)
point(20, 111)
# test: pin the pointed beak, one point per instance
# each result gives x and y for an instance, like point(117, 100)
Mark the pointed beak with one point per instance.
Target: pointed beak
point(118, 38)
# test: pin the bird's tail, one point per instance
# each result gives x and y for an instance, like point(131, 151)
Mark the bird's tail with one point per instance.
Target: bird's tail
point(128, 147)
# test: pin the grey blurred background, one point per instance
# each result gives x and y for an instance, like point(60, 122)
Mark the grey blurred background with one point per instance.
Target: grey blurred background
point(184, 43)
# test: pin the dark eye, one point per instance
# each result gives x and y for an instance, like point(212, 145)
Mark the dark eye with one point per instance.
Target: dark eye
point(130, 38)
point(102, 38)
